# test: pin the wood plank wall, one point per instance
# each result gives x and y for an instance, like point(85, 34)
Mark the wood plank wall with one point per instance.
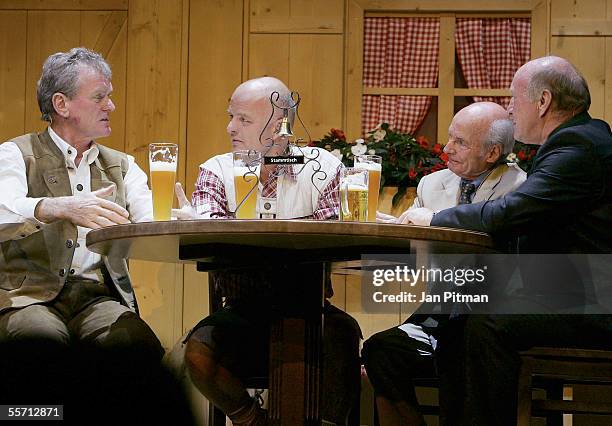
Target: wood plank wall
point(176, 62)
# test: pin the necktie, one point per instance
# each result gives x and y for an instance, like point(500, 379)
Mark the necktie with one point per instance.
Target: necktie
point(466, 189)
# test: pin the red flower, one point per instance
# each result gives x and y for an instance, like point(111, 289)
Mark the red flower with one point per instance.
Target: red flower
point(521, 155)
point(532, 153)
point(437, 149)
point(422, 140)
point(444, 157)
point(338, 134)
point(437, 167)
point(412, 174)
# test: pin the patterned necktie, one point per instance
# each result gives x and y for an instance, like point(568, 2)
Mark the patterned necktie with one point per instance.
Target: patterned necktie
point(466, 189)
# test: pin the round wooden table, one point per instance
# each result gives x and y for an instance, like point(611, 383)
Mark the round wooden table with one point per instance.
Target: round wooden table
point(309, 246)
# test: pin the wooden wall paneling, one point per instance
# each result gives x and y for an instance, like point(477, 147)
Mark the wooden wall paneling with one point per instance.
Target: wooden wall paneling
point(43, 39)
point(215, 64)
point(155, 76)
point(298, 16)
point(262, 9)
point(215, 69)
point(353, 86)
point(540, 29)
point(446, 76)
point(12, 74)
point(316, 72)
point(64, 4)
point(577, 9)
point(269, 56)
point(106, 33)
point(579, 51)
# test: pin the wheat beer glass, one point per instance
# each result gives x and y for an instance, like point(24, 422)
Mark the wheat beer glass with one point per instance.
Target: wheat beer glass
point(247, 164)
point(162, 164)
point(373, 164)
point(354, 195)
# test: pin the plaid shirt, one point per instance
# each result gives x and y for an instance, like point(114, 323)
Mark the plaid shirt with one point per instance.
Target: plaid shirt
point(210, 198)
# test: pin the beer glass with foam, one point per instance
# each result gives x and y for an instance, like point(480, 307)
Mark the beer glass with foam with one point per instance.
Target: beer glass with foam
point(246, 181)
point(373, 164)
point(354, 195)
point(162, 165)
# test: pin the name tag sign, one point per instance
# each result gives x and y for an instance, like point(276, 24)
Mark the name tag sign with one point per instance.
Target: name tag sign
point(284, 159)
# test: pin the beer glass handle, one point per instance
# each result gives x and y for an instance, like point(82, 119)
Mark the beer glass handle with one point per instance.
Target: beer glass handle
point(344, 200)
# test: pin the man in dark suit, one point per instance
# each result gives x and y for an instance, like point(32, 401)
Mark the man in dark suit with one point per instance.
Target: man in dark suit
point(564, 206)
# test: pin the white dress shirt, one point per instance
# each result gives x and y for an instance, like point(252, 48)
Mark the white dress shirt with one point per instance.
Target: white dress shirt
point(17, 209)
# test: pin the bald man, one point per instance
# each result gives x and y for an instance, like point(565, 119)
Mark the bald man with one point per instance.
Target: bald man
point(564, 206)
point(232, 343)
point(479, 139)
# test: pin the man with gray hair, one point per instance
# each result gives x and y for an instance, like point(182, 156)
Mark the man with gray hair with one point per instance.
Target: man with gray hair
point(58, 185)
point(479, 139)
point(564, 206)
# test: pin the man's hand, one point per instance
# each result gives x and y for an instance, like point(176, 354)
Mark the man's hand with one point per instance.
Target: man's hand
point(385, 218)
point(185, 210)
point(88, 210)
point(421, 216)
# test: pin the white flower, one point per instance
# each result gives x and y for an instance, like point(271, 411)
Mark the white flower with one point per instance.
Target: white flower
point(359, 149)
point(379, 135)
point(372, 152)
point(336, 153)
point(511, 157)
point(359, 141)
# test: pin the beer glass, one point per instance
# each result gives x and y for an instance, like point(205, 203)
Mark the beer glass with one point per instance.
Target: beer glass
point(162, 164)
point(354, 195)
point(373, 164)
point(247, 164)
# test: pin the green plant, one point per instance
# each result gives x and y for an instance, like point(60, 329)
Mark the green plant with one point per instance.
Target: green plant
point(405, 159)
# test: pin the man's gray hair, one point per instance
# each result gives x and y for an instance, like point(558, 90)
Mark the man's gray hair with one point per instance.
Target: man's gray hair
point(501, 132)
point(60, 74)
point(569, 89)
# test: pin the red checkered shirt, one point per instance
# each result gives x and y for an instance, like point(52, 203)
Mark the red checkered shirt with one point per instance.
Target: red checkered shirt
point(210, 195)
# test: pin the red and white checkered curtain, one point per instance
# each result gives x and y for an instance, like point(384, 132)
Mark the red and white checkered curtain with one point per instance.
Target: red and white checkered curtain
point(491, 50)
point(399, 52)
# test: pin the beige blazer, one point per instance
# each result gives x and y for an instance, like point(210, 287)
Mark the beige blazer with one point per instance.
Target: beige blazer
point(440, 190)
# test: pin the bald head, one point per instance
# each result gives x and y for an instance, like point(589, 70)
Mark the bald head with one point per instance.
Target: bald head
point(568, 88)
point(489, 125)
point(479, 135)
point(253, 120)
point(262, 88)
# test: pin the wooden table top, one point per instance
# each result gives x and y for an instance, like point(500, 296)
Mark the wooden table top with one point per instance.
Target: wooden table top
point(164, 241)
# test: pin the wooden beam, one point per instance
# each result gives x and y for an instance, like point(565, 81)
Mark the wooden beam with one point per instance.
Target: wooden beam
point(353, 90)
point(446, 76)
point(64, 5)
point(482, 92)
point(449, 5)
point(401, 91)
point(299, 25)
point(581, 27)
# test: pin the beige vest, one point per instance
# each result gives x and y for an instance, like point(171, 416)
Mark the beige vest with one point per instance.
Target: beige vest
point(34, 269)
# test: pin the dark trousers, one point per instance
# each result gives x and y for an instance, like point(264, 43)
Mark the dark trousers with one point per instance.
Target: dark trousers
point(479, 362)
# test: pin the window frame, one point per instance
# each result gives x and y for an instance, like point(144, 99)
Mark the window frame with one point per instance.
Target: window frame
point(447, 12)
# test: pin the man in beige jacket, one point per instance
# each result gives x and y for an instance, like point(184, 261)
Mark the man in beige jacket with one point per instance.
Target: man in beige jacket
point(480, 138)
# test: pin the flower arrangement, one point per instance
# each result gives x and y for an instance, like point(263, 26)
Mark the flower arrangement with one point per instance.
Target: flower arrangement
point(405, 159)
point(522, 155)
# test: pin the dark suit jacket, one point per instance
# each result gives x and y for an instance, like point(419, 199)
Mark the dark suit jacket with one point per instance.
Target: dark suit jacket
point(564, 206)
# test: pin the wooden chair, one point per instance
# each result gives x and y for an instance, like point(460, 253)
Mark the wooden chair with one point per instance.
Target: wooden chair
point(552, 368)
